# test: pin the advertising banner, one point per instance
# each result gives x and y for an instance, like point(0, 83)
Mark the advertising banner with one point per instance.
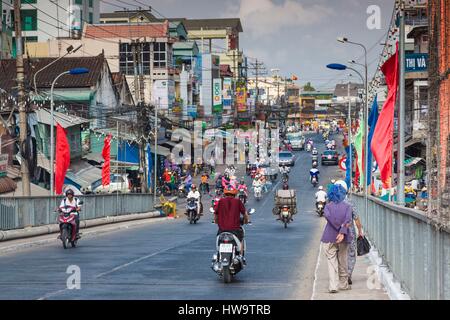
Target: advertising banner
point(217, 96)
point(227, 99)
point(192, 111)
point(241, 99)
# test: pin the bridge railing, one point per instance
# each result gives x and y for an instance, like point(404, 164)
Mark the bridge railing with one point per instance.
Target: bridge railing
point(21, 212)
point(415, 248)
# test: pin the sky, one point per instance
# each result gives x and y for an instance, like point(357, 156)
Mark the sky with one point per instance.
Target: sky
point(296, 36)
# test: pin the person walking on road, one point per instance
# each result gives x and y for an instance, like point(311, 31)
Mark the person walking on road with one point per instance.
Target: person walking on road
point(336, 238)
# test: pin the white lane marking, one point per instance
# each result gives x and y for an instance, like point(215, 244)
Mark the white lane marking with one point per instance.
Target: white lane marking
point(51, 294)
point(316, 271)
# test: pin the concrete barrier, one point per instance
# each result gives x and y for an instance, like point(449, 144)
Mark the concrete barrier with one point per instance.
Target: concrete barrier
point(54, 228)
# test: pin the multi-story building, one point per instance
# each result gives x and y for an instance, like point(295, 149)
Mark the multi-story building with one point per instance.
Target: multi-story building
point(44, 20)
point(6, 43)
point(438, 144)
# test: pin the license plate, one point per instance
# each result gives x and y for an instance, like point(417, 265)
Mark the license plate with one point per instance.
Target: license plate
point(226, 247)
point(285, 213)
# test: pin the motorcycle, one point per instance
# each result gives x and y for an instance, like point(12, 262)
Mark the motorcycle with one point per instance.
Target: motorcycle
point(308, 147)
point(163, 189)
point(285, 185)
point(315, 164)
point(253, 173)
point(248, 169)
point(182, 192)
point(257, 192)
point(285, 176)
point(68, 228)
point(314, 181)
point(242, 196)
point(320, 208)
point(191, 211)
point(285, 215)
point(227, 261)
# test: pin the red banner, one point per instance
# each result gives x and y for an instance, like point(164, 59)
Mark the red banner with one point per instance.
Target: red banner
point(62, 158)
point(382, 141)
point(106, 168)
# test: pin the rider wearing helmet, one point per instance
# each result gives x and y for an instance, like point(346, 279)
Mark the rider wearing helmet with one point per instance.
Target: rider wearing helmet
point(243, 186)
point(194, 193)
point(314, 172)
point(321, 196)
point(228, 215)
point(71, 204)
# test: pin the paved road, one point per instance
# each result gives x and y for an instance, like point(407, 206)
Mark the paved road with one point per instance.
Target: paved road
point(171, 259)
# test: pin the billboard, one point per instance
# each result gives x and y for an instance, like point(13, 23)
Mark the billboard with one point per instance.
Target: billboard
point(217, 95)
point(226, 94)
point(163, 94)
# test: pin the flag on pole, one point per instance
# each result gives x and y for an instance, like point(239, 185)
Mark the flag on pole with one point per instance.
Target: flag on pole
point(382, 140)
point(373, 118)
point(62, 158)
point(358, 142)
point(106, 168)
point(149, 166)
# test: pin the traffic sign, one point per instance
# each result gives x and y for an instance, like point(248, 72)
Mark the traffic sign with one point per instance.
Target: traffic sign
point(342, 164)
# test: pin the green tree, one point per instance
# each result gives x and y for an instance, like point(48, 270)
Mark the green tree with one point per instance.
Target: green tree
point(308, 87)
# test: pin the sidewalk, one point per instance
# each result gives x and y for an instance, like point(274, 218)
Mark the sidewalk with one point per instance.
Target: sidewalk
point(364, 278)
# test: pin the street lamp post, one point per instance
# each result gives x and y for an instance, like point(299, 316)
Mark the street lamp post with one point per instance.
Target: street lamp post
point(366, 119)
point(70, 50)
point(75, 71)
point(341, 67)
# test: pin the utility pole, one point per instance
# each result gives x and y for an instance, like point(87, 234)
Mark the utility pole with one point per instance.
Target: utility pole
point(136, 73)
point(256, 67)
point(26, 191)
point(401, 115)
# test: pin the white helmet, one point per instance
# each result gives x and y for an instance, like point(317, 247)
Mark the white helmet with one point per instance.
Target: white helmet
point(320, 188)
point(342, 183)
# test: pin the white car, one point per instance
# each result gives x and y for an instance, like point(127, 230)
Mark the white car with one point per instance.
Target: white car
point(119, 184)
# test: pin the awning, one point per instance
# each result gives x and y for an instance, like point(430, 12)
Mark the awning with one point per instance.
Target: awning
point(83, 174)
point(412, 161)
point(7, 185)
point(97, 157)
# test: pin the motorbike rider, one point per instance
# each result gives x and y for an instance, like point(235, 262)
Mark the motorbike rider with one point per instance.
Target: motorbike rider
point(285, 184)
point(194, 193)
point(314, 172)
point(71, 204)
point(188, 181)
point(243, 186)
point(315, 152)
point(284, 169)
point(205, 181)
point(321, 196)
point(227, 215)
point(225, 180)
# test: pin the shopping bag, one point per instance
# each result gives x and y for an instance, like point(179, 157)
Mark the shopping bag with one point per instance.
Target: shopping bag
point(363, 246)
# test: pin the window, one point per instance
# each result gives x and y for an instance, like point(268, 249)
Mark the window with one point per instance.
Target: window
point(28, 1)
point(29, 19)
point(90, 4)
point(80, 2)
point(159, 55)
point(91, 17)
point(126, 58)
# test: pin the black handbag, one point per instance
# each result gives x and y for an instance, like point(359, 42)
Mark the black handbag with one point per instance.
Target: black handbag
point(363, 246)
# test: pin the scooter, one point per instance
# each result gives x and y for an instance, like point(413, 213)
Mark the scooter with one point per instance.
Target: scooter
point(68, 228)
point(308, 148)
point(182, 192)
point(257, 192)
point(191, 211)
point(227, 261)
point(320, 208)
point(285, 215)
point(315, 164)
point(314, 181)
point(242, 196)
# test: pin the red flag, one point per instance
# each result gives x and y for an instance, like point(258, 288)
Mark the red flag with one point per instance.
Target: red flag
point(62, 158)
point(382, 141)
point(106, 168)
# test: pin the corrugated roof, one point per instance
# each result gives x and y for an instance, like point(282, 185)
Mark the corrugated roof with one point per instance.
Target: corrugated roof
point(127, 31)
point(7, 185)
point(46, 77)
point(127, 15)
point(66, 121)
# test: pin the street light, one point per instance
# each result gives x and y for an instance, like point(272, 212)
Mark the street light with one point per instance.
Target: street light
point(69, 50)
point(366, 117)
point(74, 72)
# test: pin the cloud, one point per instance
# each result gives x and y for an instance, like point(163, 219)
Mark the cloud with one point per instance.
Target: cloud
point(261, 18)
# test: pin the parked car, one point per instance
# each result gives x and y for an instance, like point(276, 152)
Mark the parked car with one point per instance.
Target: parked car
point(119, 184)
point(330, 157)
point(286, 158)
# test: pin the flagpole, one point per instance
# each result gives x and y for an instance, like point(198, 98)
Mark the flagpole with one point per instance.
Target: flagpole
point(350, 138)
point(401, 116)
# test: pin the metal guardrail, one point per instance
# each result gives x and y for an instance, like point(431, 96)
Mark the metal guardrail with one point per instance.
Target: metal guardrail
point(415, 249)
point(21, 212)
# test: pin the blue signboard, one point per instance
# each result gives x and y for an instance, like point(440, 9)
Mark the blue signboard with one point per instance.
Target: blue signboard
point(416, 62)
point(192, 111)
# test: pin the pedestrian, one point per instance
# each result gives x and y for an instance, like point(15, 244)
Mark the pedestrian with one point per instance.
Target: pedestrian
point(352, 251)
point(336, 238)
point(212, 164)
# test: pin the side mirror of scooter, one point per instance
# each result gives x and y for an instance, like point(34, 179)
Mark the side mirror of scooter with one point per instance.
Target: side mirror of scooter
point(81, 202)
